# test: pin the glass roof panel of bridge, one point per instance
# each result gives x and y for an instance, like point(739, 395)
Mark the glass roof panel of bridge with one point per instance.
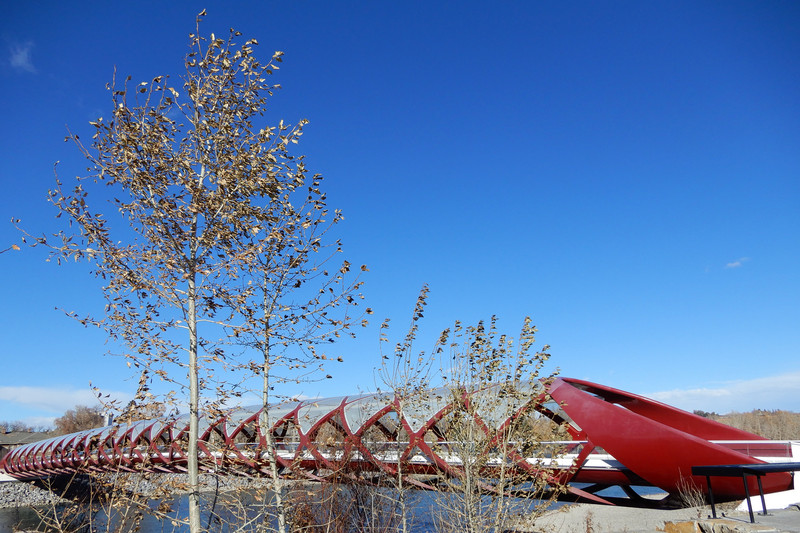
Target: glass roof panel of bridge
point(106, 432)
point(419, 408)
point(553, 407)
point(239, 416)
point(163, 430)
point(496, 404)
point(45, 442)
point(181, 421)
point(80, 436)
point(203, 425)
point(362, 408)
point(313, 410)
point(281, 410)
point(42, 445)
point(142, 428)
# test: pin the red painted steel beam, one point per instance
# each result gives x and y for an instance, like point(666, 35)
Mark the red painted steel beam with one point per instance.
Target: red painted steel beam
point(652, 442)
point(657, 442)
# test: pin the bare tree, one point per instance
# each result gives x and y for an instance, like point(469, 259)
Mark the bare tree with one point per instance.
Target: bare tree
point(493, 431)
point(771, 424)
point(498, 448)
point(299, 302)
point(78, 419)
point(406, 375)
point(18, 425)
point(212, 225)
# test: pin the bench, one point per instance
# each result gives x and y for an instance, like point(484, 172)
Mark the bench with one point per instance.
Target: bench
point(759, 470)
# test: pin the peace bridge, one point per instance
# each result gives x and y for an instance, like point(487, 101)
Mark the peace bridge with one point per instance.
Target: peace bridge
point(612, 438)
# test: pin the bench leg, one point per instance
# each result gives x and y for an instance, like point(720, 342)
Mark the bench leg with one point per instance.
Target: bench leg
point(747, 495)
point(761, 493)
point(711, 497)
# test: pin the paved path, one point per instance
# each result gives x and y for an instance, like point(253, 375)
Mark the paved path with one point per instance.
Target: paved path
point(606, 519)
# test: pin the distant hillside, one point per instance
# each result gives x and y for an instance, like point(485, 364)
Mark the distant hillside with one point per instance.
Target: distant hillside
point(776, 425)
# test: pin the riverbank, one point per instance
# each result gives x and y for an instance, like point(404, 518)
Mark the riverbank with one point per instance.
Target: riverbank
point(583, 518)
point(22, 494)
point(14, 494)
point(577, 518)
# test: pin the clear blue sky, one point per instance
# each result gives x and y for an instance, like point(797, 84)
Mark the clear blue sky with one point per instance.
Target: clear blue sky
point(627, 173)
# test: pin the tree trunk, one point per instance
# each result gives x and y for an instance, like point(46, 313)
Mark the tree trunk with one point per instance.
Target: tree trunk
point(194, 419)
point(272, 453)
point(401, 489)
point(192, 465)
point(266, 430)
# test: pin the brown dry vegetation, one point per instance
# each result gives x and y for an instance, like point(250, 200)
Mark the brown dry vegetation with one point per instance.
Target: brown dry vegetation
point(776, 424)
point(78, 419)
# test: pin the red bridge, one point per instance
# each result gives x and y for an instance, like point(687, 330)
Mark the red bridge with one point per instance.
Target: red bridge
point(615, 438)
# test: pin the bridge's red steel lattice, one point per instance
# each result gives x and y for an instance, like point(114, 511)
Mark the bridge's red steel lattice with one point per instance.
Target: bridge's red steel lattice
point(618, 438)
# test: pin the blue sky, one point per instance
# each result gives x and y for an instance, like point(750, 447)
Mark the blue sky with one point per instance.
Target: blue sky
point(626, 173)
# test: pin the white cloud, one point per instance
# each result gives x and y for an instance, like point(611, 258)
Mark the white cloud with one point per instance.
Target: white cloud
point(53, 400)
point(40, 421)
point(20, 57)
point(737, 263)
point(773, 392)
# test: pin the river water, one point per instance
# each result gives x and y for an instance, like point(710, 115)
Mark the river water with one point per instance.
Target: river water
point(424, 512)
point(243, 513)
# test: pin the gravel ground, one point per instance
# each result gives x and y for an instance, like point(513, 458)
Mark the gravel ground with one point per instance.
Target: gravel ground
point(24, 495)
point(21, 494)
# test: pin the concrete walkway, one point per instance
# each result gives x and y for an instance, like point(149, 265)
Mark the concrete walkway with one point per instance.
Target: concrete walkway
point(584, 518)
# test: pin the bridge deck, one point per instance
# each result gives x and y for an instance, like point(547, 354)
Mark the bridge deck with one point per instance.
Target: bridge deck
point(617, 438)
